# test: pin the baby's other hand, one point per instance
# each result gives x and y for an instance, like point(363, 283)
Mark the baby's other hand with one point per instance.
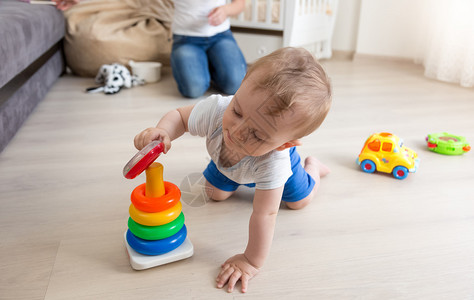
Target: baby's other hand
point(235, 268)
point(217, 16)
point(150, 134)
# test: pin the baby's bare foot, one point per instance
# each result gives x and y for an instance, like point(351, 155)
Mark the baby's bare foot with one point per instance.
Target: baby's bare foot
point(314, 167)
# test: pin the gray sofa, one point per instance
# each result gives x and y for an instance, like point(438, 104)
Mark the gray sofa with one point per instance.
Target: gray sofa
point(31, 60)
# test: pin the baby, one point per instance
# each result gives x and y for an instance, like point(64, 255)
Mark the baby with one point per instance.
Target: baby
point(251, 138)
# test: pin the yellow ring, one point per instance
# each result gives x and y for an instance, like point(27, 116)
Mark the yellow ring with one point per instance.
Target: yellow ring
point(157, 218)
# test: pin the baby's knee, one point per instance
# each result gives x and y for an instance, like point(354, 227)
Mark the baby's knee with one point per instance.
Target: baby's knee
point(301, 203)
point(215, 193)
point(218, 195)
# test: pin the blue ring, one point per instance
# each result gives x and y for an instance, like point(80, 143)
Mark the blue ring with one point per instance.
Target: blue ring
point(157, 247)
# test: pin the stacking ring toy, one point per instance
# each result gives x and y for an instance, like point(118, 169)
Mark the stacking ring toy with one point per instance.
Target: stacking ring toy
point(143, 159)
point(159, 246)
point(169, 199)
point(155, 219)
point(448, 144)
point(156, 232)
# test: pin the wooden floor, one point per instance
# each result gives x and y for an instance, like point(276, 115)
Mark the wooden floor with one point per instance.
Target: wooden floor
point(64, 201)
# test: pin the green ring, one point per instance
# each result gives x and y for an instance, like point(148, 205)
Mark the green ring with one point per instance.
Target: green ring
point(156, 232)
point(453, 145)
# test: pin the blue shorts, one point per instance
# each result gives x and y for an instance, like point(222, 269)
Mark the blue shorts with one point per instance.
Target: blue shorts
point(297, 187)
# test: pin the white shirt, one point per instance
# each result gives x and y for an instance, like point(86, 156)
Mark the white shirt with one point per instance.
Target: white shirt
point(268, 171)
point(190, 18)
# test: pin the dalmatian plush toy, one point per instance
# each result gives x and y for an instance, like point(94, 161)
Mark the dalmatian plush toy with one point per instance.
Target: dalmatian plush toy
point(114, 77)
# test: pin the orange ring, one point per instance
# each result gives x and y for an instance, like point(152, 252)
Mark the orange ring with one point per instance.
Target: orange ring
point(152, 205)
point(155, 219)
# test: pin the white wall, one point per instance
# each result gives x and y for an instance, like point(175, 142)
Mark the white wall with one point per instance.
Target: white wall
point(378, 27)
point(389, 27)
point(346, 27)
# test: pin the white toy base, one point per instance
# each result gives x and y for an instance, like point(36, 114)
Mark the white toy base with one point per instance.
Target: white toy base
point(142, 262)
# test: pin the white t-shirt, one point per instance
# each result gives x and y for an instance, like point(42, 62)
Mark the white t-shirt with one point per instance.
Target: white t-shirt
point(190, 18)
point(268, 171)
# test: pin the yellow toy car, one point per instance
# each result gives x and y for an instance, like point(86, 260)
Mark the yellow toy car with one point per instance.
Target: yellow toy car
point(385, 152)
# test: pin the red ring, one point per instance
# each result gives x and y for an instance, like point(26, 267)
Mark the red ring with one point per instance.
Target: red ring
point(169, 199)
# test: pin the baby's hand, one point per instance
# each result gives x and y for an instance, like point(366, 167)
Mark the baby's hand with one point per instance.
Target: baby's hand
point(217, 16)
point(235, 268)
point(150, 134)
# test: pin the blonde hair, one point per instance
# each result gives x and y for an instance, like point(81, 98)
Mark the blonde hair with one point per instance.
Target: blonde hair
point(296, 81)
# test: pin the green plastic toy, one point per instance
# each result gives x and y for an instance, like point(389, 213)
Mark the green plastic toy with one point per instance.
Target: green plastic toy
point(448, 144)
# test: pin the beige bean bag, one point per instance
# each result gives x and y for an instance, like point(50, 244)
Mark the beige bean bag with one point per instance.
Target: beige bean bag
point(116, 31)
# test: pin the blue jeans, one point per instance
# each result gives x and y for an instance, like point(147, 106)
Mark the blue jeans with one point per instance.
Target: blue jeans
point(196, 61)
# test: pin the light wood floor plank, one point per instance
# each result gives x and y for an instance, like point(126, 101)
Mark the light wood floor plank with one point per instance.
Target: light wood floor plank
point(64, 201)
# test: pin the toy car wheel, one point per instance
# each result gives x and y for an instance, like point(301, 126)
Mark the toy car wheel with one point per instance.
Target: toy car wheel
point(368, 166)
point(400, 172)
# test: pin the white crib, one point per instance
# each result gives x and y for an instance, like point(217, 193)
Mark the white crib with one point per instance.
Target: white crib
point(266, 25)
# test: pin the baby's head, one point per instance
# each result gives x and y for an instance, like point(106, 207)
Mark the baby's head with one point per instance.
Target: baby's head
point(297, 83)
point(285, 96)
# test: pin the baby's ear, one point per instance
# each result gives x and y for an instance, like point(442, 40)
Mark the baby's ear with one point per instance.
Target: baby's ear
point(292, 143)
